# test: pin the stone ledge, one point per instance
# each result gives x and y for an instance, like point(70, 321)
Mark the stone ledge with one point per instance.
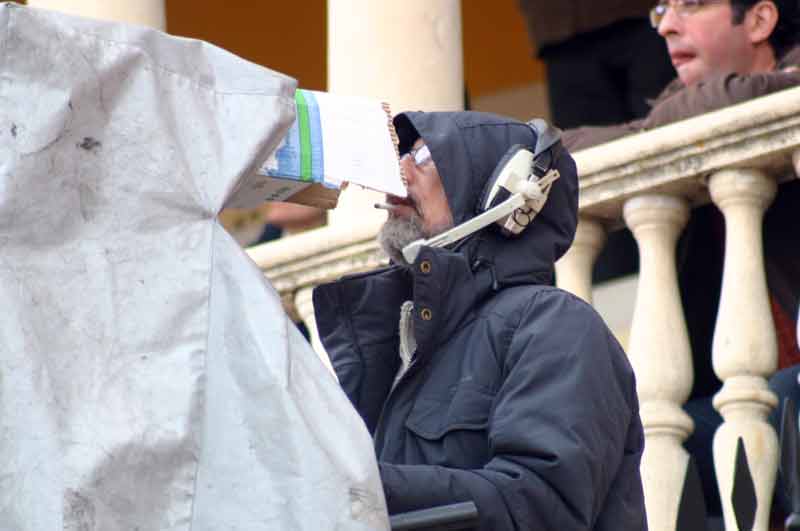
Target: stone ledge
point(677, 158)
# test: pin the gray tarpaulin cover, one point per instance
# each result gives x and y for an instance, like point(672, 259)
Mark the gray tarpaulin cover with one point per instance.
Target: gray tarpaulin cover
point(149, 379)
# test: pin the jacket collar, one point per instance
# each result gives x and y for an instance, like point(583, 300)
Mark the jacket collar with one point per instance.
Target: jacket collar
point(447, 288)
point(445, 285)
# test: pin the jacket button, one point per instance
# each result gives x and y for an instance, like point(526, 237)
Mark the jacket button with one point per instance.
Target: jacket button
point(426, 314)
point(425, 266)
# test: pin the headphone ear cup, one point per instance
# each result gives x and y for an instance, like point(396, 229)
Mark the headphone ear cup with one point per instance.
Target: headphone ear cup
point(493, 193)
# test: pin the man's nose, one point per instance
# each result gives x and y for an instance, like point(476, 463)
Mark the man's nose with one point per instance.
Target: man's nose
point(670, 23)
point(409, 168)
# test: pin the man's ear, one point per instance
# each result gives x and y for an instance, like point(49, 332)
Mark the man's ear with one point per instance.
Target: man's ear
point(760, 21)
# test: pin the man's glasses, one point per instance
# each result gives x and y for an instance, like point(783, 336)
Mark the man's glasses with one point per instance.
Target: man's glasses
point(683, 8)
point(421, 155)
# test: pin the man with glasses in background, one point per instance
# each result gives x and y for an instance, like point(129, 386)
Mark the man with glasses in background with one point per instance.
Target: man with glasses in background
point(725, 52)
point(603, 61)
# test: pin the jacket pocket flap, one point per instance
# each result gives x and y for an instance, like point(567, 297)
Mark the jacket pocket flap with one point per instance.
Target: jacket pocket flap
point(433, 417)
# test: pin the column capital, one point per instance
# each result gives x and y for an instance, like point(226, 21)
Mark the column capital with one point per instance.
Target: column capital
point(737, 186)
point(666, 418)
point(649, 209)
point(748, 392)
point(590, 232)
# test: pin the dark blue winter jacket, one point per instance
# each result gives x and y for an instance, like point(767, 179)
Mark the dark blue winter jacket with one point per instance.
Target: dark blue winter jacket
point(518, 398)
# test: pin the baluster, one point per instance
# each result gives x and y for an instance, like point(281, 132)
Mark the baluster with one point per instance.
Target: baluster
point(660, 354)
point(574, 269)
point(305, 309)
point(745, 346)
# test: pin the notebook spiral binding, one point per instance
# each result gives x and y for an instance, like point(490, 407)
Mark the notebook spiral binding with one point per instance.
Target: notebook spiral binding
point(395, 139)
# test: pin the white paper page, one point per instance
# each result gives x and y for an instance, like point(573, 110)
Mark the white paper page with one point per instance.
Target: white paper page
point(358, 143)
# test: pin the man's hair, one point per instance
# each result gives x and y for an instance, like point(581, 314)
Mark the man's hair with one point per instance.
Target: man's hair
point(787, 31)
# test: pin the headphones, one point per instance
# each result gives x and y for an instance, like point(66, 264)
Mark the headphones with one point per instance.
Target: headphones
point(514, 194)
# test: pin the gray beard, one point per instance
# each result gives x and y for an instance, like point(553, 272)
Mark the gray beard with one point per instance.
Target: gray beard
point(396, 233)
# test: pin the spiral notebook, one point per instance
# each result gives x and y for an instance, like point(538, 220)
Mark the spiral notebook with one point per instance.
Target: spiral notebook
point(334, 139)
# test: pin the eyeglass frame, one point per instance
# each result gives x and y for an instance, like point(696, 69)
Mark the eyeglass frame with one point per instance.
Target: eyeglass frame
point(683, 8)
point(421, 155)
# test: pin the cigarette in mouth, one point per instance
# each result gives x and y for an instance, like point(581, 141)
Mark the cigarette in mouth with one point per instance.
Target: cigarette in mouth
point(385, 206)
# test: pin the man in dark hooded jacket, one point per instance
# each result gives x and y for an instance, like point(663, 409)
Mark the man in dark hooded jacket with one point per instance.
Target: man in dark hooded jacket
point(478, 379)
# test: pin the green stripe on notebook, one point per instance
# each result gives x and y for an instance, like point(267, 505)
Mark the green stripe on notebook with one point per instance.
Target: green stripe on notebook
point(303, 126)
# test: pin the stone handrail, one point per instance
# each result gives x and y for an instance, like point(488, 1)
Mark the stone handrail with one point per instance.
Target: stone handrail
point(649, 182)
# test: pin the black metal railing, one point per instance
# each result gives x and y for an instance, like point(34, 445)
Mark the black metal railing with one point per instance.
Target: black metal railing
point(455, 517)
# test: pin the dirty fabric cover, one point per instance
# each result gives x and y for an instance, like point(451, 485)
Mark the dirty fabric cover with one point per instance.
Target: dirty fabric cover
point(149, 378)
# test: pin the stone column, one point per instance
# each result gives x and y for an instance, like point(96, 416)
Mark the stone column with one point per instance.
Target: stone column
point(660, 354)
point(305, 309)
point(145, 12)
point(745, 344)
point(408, 54)
point(574, 269)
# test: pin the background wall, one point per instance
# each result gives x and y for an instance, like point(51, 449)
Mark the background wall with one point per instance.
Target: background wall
point(289, 37)
point(501, 74)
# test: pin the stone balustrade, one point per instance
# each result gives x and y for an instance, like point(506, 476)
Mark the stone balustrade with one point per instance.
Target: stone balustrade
point(734, 158)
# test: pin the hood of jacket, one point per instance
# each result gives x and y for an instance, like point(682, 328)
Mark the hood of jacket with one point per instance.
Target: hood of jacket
point(359, 314)
point(466, 147)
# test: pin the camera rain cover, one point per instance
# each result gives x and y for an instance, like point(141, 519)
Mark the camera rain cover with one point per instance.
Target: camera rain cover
point(149, 378)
